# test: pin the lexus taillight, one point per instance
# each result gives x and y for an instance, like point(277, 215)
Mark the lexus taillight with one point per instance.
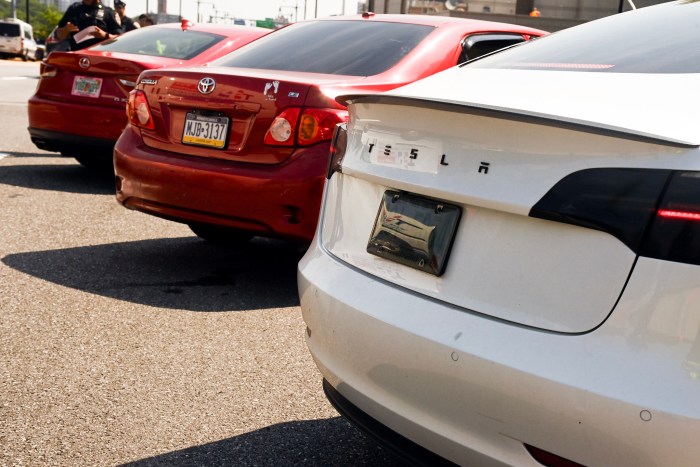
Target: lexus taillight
point(338, 147)
point(294, 127)
point(138, 112)
point(655, 212)
point(47, 71)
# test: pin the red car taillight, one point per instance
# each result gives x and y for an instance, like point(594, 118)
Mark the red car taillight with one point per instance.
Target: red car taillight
point(47, 71)
point(281, 132)
point(294, 127)
point(138, 112)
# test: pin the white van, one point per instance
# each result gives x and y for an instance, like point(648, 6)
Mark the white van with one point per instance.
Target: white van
point(17, 39)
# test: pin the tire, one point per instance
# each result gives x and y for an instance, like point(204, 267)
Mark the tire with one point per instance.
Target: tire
point(219, 235)
point(25, 55)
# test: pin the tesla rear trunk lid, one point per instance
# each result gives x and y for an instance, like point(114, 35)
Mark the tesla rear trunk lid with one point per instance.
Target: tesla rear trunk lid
point(247, 101)
point(508, 260)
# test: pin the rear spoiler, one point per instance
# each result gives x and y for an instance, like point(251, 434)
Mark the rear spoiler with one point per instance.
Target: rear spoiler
point(515, 115)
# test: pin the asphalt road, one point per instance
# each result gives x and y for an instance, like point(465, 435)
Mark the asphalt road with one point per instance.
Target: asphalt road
point(127, 340)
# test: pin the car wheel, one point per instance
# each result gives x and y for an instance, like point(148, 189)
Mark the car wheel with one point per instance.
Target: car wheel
point(25, 55)
point(220, 235)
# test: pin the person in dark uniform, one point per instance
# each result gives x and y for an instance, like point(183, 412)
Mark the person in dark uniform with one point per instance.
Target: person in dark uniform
point(102, 21)
point(128, 24)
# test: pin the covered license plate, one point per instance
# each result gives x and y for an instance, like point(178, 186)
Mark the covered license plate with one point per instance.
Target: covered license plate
point(415, 231)
point(205, 130)
point(86, 86)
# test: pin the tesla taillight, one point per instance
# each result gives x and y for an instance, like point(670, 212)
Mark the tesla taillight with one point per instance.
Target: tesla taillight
point(294, 127)
point(549, 459)
point(338, 147)
point(655, 212)
point(618, 201)
point(674, 234)
point(138, 112)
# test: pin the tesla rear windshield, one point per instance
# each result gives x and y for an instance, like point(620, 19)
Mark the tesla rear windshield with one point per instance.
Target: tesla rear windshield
point(656, 39)
point(9, 29)
point(337, 47)
point(162, 42)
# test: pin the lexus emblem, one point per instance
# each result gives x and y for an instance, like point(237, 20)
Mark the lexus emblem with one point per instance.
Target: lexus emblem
point(84, 62)
point(206, 85)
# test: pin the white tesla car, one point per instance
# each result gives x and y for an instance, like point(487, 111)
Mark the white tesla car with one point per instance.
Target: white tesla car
point(507, 266)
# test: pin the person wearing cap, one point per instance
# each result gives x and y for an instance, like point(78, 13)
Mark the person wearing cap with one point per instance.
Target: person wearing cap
point(128, 24)
point(145, 20)
point(103, 22)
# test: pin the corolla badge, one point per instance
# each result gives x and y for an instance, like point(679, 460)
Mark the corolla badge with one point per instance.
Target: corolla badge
point(274, 87)
point(84, 62)
point(206, 85)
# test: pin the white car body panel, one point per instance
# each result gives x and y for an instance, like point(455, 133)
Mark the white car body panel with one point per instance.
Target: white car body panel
point(547, 329)
point(523, 386)
point(629, 104)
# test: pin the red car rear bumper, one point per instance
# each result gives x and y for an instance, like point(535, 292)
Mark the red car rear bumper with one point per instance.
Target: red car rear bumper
point(62, 125)
point(277, 200)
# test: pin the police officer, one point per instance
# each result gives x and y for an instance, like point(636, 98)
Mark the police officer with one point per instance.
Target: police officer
point(128, 24)
point(84, 14)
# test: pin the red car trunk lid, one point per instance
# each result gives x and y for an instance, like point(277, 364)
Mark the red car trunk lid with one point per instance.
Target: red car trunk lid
point(246, 103)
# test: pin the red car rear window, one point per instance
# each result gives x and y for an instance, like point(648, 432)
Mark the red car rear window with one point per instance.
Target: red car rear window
point(352, 48)
point(162, 42)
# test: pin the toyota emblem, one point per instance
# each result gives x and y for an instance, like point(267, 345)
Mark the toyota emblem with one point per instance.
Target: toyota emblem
point(84, 62)
point(206, 85)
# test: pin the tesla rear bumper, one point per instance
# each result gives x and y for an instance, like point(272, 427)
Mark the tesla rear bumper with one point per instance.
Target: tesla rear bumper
point(475, 390)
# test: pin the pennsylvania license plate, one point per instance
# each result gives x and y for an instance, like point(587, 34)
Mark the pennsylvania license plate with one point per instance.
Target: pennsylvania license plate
point(415, 231)
point(87, 86)
point(205, 130)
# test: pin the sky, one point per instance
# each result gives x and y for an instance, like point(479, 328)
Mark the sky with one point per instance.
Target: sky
point(245, 9)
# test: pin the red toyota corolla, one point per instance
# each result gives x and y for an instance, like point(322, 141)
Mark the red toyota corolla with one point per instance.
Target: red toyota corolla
point(239, 149)
point(78, 107)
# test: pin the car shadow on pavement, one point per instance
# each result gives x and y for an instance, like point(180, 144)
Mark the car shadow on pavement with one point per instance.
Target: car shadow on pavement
point(69, 177)
point(312, 442)
point(176, 273)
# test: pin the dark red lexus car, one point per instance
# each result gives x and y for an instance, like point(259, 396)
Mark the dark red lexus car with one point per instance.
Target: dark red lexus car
point(239, 148)
point(78, 107)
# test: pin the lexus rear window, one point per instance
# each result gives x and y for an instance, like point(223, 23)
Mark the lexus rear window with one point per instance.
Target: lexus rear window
point(162, 42)
point(352, 48)
point(11, 30)
point(654, 39)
